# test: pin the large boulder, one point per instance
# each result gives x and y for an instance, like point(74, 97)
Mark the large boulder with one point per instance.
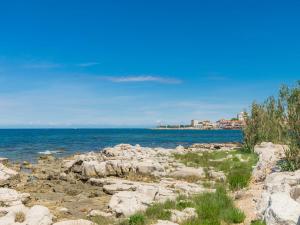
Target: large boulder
point(10, 197)
point(126, 203)
point(279, 201)
point(38, 215)
point(282, 210)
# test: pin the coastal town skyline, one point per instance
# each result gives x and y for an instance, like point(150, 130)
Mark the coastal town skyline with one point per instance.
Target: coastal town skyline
point(233, 123)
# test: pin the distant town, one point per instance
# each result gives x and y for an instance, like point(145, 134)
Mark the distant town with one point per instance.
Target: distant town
point(236, 123)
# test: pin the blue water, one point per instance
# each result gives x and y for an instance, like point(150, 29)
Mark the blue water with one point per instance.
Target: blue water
point(25, 144)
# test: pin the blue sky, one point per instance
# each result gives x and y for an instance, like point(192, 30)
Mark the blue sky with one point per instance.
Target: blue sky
point(137, 63)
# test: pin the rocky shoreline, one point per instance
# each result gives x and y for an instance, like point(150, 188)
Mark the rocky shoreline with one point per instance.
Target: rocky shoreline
point(120, 181)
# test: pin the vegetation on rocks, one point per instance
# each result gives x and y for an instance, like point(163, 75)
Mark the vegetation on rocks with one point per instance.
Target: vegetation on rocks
point(277, 120)
point(212, 208)
point(236, 164)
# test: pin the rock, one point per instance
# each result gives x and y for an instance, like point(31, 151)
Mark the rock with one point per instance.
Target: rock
point(94, 169)
point(269, 154)
point(63, 210)
point(6, 173)
point(186, 172)
point(38, 215)
point(181, 216)
point(75, 222)
point(126, 203)
point(117, 187)
point(94, 213)
point(148, 167)
point(282, 210)
point(165, 222)
point(10, 197)
point(281, 190)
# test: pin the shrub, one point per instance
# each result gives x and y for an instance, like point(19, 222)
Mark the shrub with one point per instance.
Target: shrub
point(277, 120)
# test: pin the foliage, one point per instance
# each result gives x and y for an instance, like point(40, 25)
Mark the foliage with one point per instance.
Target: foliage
point(277, 120)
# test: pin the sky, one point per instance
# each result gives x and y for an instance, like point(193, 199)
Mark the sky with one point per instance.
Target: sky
point(96, 63)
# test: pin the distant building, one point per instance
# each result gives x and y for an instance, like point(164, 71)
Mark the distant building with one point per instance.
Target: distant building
point(242, 116)
point(230, 124)
point(204, 124)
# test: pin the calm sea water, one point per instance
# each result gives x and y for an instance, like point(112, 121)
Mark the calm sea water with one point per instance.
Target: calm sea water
point(27, 144)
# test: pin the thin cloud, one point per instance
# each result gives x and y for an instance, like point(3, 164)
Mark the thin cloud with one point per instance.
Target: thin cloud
point(88, 64)
point(42, 65)
point(142, 78)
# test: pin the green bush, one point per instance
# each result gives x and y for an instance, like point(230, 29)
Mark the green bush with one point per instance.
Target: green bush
point(277, 120)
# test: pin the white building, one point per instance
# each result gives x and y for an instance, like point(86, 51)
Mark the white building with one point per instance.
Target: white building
point(242, 116)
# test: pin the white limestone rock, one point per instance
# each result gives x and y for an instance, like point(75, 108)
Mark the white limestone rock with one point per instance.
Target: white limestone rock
point(75, 222)
point(10, 197)
point(185, 172)
point(181, 216)
point(96, 212)
point(269, 154)
point(6, 173)
point(165, 222)
point(38, 215)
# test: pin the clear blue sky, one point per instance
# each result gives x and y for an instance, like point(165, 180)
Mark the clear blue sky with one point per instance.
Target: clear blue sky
point(136, 63)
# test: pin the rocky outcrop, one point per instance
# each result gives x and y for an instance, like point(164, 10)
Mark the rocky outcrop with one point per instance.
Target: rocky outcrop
point(279, 202)
point(269, 155)
point(120, 161)
point(129, 197)
point(123, 159)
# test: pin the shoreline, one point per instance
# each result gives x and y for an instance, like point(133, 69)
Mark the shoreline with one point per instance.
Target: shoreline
point(193, 129)
point(120, 181)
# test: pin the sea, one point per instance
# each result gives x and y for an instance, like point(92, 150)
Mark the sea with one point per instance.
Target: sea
point(28, 144)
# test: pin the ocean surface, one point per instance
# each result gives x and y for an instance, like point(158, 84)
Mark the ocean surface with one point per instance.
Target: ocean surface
point(28, 144)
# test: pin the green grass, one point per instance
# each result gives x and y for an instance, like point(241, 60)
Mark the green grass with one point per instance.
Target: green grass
point(237, 165)
point(214, 208)
point(137, 219)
